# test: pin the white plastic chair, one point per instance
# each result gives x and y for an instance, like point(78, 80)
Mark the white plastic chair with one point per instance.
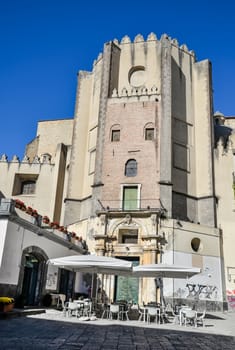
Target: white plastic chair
point(181, 313)
point(170, 314)
point(62, 299)
point(124, 311)
point(72, 309)
point(200, 319)
point(114, 310)
point(153, 312)
point(142, 312)
point(190, 317)
point(87, 308)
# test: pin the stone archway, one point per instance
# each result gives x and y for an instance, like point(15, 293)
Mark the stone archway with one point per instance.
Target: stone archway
point(32, 277)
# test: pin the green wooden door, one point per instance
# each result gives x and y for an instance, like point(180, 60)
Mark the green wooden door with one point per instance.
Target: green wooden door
point(127, 288)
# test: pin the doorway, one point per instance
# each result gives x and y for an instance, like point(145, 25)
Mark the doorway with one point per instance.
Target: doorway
point(32, 276)
point(127, 287)
point(66, 283)
point(31, 279)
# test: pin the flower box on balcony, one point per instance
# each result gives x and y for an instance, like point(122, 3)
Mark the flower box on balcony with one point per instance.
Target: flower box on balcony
point(20, 205)
point(34, 213)
point(54, 225)
point(45, 219)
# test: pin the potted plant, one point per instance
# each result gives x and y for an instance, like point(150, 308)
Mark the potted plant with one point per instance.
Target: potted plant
point(34, 213)
point(6, 304)
point(54, 225)
point(29, 210)
point(45, 219)
point(20, 205)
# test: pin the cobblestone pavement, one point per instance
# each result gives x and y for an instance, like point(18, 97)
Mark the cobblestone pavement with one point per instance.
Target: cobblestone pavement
point(43, 332)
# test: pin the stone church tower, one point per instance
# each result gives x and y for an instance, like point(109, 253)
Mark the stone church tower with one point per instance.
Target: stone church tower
point(149, 101)
point(141, 173)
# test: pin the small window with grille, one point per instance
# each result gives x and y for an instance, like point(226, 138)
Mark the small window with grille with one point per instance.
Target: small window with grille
point(24, 184)
point(115, 137)
point(149, 134)
point(28, 187)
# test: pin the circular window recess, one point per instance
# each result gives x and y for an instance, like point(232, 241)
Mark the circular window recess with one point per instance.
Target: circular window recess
point(137, 76)
point(196, 244)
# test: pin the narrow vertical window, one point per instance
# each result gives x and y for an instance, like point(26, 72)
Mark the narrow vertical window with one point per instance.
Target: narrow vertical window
point(115, 136)
point(149, 134)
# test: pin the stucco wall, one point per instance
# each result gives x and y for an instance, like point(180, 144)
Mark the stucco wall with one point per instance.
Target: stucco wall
point(17, 238)
point(224, 169)
point(49, 134)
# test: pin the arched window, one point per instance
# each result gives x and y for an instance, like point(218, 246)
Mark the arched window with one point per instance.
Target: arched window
point(131, 168)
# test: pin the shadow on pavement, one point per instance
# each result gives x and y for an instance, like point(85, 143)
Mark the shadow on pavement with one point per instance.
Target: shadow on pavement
point(34, 333)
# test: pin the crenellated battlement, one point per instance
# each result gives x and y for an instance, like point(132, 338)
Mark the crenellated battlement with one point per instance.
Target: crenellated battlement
point(139, 39)
point(136, 94)
point(45, 159)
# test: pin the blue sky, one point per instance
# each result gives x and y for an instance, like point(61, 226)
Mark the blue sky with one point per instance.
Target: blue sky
point(45, 43)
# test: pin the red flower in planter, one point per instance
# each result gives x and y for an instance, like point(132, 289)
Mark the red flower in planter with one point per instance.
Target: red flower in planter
point(29, 210)
point(34, 213)
point(20, 205)
point(54, 224)
point(45, 219)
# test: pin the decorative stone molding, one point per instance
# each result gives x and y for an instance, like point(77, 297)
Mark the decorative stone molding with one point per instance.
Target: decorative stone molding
point(128, 219)
point(102, 219)
point(46, 158)
point(154, 219)
point(36, 160)
point(135, 92)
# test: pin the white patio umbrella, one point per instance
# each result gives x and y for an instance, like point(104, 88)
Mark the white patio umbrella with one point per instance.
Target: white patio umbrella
point(164, 271)
point(93, 264)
